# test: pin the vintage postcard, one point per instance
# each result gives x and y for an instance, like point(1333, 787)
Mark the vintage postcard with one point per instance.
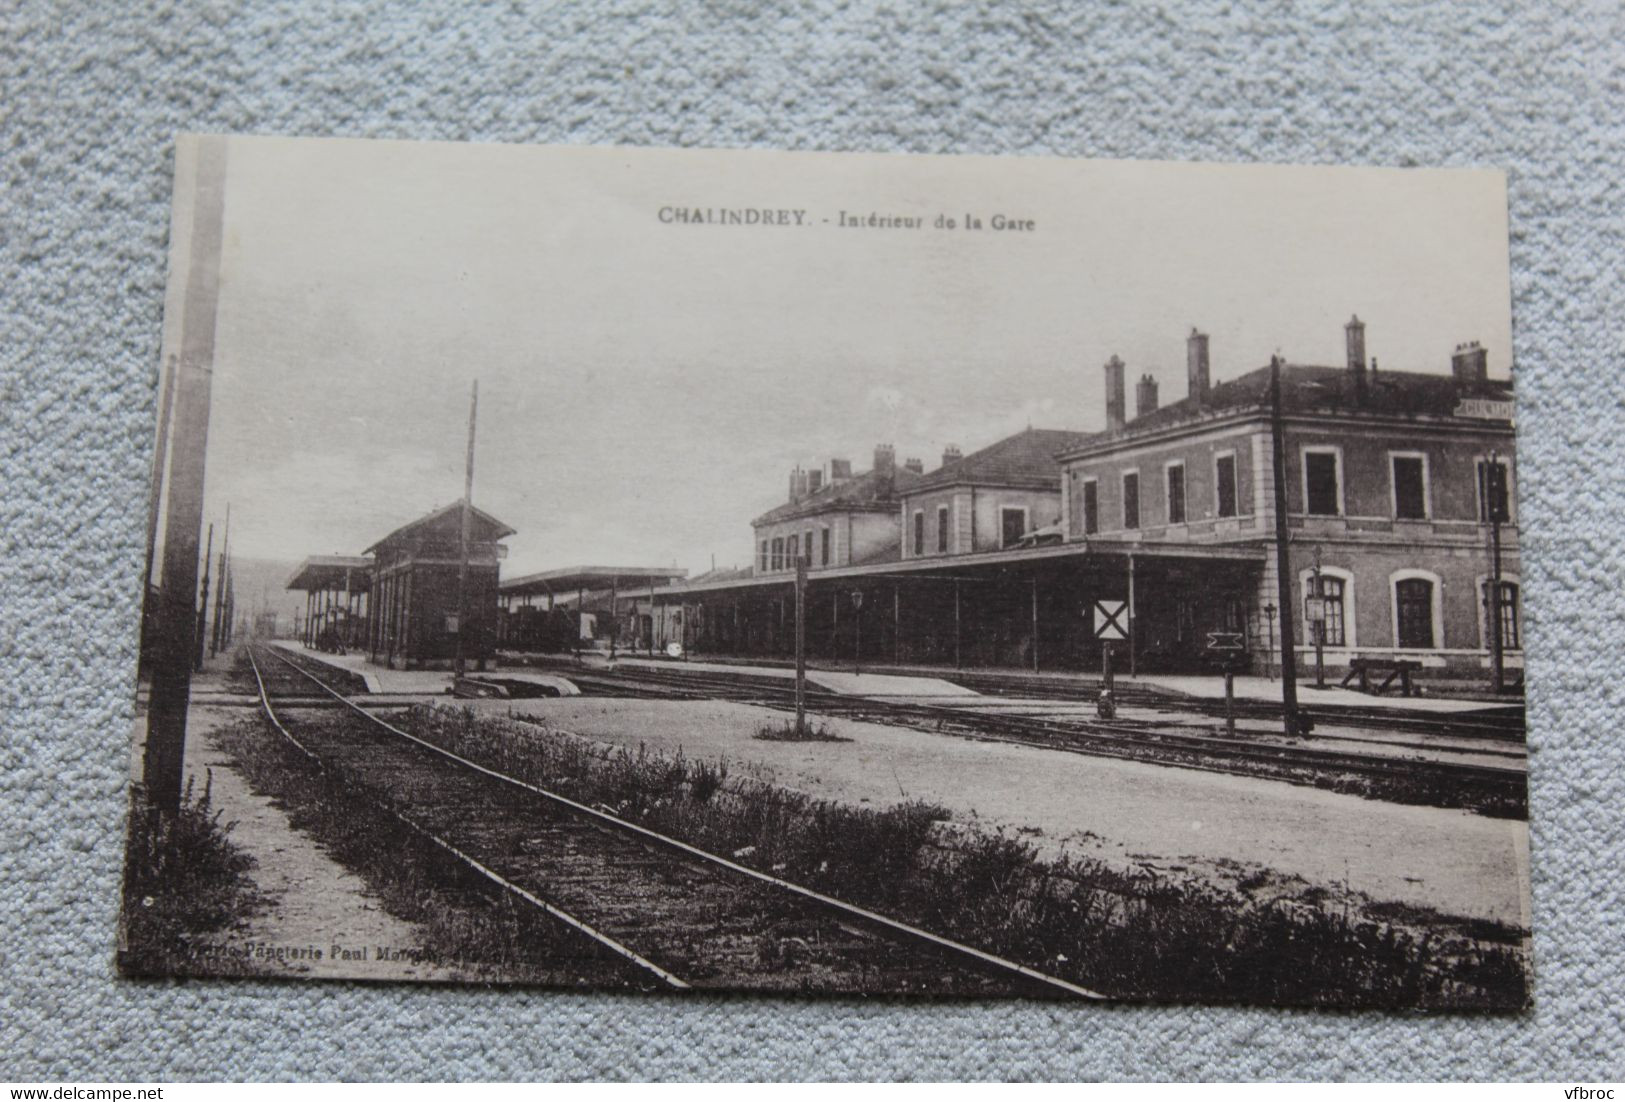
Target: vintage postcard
point(825, 573)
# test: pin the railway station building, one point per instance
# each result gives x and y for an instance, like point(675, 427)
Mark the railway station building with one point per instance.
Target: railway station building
point(416, 619)
point(1389, 502)
point(1400, 505)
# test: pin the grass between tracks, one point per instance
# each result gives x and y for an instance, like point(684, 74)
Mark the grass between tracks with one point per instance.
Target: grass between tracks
point(1126, 933)
point(183, 879)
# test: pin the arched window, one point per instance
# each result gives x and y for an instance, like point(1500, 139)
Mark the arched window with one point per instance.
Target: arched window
point(1413, 613)
point(1337, 589)
point(1331, 593)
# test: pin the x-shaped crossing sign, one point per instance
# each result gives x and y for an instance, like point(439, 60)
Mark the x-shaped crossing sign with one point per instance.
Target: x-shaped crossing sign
point(1111, 620)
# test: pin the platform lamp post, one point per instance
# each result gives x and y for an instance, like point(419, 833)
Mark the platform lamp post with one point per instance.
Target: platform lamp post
point(1269, 650)
point(857, 624)
point(1496, 507)
point(1317, 616)
point(801, 645)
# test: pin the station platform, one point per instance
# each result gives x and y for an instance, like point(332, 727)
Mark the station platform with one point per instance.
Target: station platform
point(851, 683)
point(381, 680)
point(1269, 690)
point(902, 681)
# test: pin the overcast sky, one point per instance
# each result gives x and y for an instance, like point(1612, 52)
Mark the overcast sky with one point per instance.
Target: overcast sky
point(645, 387)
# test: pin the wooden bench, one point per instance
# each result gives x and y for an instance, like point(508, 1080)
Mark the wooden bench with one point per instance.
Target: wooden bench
point(1364, 668)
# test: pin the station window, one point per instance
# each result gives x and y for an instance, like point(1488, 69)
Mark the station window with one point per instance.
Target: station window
point(1224, 477)
point(1320, 483)
point(778, 553)
point(1131, 500)
point(1012, 526)
point(919, 532)
point(1509, 615)
point(764, 554)
point(1494, 502)
point(1091, 507)
point(792, 552)
point(1410, 487)
point(1414, 601)
point(942, 529)
point(1176, 493)
point(807, 547)
point(825, 549)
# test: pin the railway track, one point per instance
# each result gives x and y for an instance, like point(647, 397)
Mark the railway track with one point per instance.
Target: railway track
point(1493, 722)
point(677, 916)
point(1505, 788)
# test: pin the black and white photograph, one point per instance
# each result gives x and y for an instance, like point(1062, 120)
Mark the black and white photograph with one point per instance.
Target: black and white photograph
point(833, 574)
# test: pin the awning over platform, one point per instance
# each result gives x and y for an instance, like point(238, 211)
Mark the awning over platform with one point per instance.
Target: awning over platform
point(571, 579)
point(948, 565)
point(324, 572)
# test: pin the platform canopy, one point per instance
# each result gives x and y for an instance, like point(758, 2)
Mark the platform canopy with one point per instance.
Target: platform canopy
point(571, 579)
point(324, 572)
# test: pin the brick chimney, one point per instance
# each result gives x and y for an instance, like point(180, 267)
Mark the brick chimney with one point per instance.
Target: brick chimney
point(885, 458)
point(798, 484)
point(840, 470)
point(951, 454)
point(815, 481)
point(1145, 396)
point(1196, 366)
point(1354, 342)
point(1470, 365)
point(1114, 394)
point(915, 465)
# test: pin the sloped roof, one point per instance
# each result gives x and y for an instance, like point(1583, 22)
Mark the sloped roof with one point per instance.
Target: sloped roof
point(875, 491)
point(1308, 387)
point(1025, 459)
point(485, 526)
point(569, 578)
point(330, 572)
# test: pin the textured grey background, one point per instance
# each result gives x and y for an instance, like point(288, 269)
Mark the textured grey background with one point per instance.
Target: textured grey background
point(90, 101)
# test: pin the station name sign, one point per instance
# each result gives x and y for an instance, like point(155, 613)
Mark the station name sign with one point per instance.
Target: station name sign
point(1484, 409)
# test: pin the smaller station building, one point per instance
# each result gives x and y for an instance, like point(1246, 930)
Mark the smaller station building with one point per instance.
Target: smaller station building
point(416, 620)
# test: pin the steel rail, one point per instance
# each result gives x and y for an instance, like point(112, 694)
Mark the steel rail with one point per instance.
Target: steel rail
point(838, 905)
point(490, 874)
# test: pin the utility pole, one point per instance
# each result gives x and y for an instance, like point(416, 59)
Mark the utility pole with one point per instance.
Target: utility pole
point(200, 171)
point(458, 655)
point(801, 645)
point(203, 606)
point(1496, 505)
point(1283, 559)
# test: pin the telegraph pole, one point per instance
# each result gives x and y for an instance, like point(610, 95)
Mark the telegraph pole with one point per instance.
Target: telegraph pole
point(462, 556)
point(1283, 558)
point(201, 168)
point(203, 606)
point(801, 645)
